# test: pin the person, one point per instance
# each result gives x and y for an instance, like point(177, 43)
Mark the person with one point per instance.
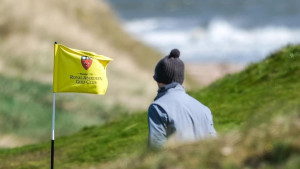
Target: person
point(174, 112)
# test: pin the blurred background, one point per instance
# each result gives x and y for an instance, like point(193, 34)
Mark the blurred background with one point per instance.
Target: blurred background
point(215, 38)
point(255, 105)
point(230, 31)
point(28, 30)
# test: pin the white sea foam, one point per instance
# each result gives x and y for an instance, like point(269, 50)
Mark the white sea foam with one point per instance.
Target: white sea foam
point(220, 41)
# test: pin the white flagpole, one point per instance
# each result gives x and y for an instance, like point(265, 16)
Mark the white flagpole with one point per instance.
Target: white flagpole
point(52, 137)
point(53, 125)
point(53, 117)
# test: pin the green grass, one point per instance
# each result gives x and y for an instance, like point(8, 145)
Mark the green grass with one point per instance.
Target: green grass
point(274, 145)
point(246, 102)
point(121, 137)
point(26, 110)
point(261, 91)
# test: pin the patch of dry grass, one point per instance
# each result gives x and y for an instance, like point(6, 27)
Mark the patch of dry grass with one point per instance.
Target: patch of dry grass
point(271, 145)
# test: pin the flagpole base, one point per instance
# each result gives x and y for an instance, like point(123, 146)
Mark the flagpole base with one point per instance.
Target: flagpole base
point(52, 154)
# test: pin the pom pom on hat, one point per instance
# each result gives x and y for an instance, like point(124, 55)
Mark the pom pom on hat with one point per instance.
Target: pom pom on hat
point(175, 53)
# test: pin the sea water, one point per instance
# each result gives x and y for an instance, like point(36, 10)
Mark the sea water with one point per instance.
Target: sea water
point(230, 31)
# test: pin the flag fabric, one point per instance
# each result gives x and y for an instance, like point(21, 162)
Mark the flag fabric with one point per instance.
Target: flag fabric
point(79, 71)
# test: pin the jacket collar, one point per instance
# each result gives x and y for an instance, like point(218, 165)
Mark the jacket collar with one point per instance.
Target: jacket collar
point(163, 90)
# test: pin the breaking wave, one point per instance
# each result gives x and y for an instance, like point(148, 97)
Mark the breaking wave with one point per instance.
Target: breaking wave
point(218, 41)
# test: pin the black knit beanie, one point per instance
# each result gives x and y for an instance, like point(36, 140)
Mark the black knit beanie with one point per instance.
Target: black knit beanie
point(170, 69)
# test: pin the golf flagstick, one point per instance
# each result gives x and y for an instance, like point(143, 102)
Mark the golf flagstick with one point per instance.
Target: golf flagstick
point(53, 128)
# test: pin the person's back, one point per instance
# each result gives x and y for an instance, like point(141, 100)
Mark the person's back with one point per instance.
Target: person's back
point(175, 113)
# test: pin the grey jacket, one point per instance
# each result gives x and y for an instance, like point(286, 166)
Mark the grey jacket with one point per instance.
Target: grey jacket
point(175, 113)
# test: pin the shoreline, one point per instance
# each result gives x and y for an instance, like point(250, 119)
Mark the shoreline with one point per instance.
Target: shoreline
point(204, 74)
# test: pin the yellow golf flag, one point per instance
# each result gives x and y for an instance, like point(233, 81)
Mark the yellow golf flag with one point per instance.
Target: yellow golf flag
point(79, 71)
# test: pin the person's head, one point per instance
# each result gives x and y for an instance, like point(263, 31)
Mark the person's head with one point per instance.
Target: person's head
point(169, 69)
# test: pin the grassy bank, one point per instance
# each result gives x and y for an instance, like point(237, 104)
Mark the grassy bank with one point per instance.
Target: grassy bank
point(246, 103)
point(272, 145)
point(259, 92)
point(121, 137)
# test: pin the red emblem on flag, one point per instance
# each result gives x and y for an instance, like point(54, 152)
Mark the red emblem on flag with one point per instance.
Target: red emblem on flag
point(86, 62)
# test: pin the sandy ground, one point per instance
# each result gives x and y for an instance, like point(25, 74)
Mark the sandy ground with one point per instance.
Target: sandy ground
point(10, 141)
point(206, 73)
